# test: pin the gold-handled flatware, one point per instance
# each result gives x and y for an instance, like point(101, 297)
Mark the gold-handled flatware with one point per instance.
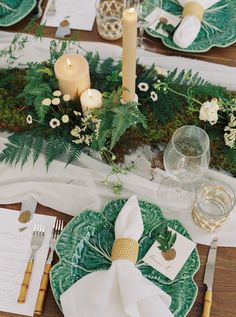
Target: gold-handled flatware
point(36, 242)
point(209, 277)
point(57, 229)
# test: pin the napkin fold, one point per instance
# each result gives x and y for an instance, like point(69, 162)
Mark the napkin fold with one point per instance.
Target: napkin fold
point(189, 27)
point(121, 290)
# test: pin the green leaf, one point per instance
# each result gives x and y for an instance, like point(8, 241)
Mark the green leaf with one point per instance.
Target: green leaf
point(56, 147)
point(37, 147)
point(74, 152)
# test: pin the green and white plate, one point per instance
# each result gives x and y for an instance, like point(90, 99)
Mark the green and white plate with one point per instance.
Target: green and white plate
point(85, 246)
point(12, 11)
point(218, 27)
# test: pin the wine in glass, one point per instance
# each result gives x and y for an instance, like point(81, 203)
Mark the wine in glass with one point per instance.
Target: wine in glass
point(186, 158)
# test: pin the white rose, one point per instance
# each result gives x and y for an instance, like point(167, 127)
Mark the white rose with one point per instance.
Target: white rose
point(208, 111)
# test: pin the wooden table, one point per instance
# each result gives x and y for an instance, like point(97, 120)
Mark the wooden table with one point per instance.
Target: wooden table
point(224, 290)
point(226, 56)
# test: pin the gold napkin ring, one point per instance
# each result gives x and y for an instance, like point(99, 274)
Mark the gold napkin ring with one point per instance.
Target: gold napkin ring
point(193, 8)
point(126, 249)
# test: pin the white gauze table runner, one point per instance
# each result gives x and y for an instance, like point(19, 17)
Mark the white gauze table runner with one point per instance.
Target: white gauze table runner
point(80, 186)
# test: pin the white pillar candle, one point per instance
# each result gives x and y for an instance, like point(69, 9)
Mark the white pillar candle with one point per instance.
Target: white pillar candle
point(72, 73)
point(90, 99)
point(129, 54)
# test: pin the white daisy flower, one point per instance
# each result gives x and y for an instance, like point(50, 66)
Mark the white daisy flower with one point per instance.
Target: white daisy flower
point(55, 101)
point(66, 97)
point(46, 102)
point(143, 86)
point(154, 96)
point(29, 119)
point(65, 118)
point(57, 93)
point(54, 123)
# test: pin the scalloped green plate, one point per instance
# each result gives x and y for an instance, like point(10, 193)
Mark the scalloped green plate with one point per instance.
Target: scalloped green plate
point(218, 28)
point(85, 246)
point(12, 11)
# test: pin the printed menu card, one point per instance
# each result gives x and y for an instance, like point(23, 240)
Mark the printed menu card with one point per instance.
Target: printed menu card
point(15, 249)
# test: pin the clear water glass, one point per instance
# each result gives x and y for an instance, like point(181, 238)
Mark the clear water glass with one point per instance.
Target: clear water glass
point(214, 202)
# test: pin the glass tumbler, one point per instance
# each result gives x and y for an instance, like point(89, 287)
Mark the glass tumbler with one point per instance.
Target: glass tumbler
point(214, 202)
point(109, 19)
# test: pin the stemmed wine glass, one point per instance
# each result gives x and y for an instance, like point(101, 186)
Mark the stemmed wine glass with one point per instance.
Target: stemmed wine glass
point(186, 158)
point(148, 13)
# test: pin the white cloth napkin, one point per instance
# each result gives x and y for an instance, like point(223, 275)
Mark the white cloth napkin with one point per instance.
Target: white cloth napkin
point(190, 25)
point(121, 290)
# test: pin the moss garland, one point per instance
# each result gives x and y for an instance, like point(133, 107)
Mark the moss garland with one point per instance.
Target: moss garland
point(13, 113)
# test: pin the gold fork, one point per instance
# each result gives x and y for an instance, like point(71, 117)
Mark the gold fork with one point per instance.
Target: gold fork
point(36, 242)
point(57, 229)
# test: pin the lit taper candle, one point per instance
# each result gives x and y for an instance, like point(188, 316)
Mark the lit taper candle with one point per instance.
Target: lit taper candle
point(129, 54)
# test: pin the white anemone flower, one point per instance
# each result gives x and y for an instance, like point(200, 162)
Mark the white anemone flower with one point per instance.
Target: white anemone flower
point(54, 122)
point(154, 96)
point(143, 86)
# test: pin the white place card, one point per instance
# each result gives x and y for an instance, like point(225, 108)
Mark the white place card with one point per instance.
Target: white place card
point(160, 13)
point(183, 248)
point(15, 249)
point(79, 13)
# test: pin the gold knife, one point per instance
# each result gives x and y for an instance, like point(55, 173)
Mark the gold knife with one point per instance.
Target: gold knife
point(208, 277)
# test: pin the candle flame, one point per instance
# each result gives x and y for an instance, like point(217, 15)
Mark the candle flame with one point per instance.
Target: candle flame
point(68, 62)
point(131, 10)
point(90, 94)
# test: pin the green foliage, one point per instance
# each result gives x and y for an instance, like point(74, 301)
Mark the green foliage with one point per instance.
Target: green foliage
point(105, 74)
point(180, 89)
point(40, 85)
point(11, 54)
point(31, 142)
point(19, 148)
point(115, 118)
point(169, 101)
point(56, 50)
point(166, 238)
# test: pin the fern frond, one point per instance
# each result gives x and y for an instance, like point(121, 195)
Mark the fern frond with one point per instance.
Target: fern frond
point(73, 152)
point(56, 147)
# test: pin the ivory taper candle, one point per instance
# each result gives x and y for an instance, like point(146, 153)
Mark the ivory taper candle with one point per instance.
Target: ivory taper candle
point(129, 54)
point(72, 73)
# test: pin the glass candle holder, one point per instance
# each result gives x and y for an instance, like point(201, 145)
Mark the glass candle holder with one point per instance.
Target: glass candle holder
point(109, 19)
point(214, 202)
